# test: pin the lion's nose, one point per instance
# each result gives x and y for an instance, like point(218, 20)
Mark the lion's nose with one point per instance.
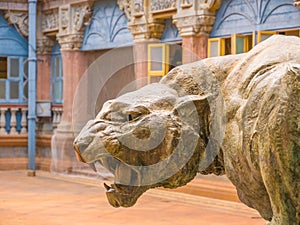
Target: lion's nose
point(80, 144)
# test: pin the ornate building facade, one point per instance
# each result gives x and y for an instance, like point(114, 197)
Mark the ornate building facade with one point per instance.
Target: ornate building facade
point(72, 35)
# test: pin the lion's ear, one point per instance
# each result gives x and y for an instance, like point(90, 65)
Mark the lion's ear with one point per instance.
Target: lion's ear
point(193, 110)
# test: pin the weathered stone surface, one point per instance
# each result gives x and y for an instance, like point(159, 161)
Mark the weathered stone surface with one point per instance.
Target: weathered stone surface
point(237, 115)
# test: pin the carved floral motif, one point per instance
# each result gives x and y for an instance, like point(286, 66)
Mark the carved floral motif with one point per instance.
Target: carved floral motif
point(50, 21)
point(162, 5)
point(125, 6)
point(64, 19)
point(138, 7)
point(20, 19)
point(72, 21)
point(210, 4)
point(82, 15)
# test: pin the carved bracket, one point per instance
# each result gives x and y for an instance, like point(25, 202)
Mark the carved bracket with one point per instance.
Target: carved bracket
point(20, 19)
point(71, 24)
point(142, 31)
point(44, 45)
point(200, 19)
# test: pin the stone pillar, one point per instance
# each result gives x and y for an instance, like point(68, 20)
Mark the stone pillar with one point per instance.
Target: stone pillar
point(140, 67)
point(44, 48)
point(74, 65)
point(194, 48)
point(194, 21)
point(141, 61)
point(72, 21)
point(145, 30)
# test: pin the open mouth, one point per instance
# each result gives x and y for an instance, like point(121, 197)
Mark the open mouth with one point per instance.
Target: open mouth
point(126, 188)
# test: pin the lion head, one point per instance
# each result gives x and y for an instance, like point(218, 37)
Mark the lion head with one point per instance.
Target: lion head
point(148, 138)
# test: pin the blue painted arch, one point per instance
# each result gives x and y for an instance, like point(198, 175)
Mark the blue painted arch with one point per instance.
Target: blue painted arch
point(108, 27)
point(246, 16)
point(11, 42)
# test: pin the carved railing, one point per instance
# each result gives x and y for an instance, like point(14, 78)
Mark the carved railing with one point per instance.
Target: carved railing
point(56, 115)
point(13, 119)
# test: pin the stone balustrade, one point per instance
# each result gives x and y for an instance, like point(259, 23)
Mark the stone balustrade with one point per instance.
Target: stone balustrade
point(56, 118)
point(13, 119)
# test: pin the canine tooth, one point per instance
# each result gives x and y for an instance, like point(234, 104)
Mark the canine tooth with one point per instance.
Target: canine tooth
point(111, 190)
point(107, 187)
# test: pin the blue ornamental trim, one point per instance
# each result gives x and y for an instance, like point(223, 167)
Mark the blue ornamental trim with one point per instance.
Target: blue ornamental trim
point(245, 16)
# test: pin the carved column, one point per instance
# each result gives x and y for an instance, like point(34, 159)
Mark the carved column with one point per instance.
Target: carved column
point(13, 121)
point(145, 29)
point(2, 121)
point(44, 48)
point(24, 121)
point(72, 21)
point(194, 20)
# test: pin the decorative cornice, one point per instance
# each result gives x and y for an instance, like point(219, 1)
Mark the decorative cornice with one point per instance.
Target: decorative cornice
point(70, 41)
point(71, 24)
point(138, 8)
point(297, 4)
point(20, 19)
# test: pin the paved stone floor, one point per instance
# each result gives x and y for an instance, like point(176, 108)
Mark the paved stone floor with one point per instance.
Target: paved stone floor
point(57, 200)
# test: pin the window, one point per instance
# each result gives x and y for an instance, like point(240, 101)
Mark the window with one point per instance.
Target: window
point(216, 47)
point(13, 80)
point(290, 33)
point(236, 44)
point(3, 67)
point(263, 35)
point(240, 43)
point(158, 56)
point(161, 59)
point(56, 79)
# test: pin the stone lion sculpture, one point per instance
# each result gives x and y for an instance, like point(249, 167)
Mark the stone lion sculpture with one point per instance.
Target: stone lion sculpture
point(237, 115)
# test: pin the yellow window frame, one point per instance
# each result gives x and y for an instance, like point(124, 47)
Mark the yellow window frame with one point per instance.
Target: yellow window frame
point(260, 33)
point(221, 46)
point(164, 60)
point(234, 43)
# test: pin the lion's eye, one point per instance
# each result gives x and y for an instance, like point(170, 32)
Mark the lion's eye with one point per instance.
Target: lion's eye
point(136, 112)
point(133, 116)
